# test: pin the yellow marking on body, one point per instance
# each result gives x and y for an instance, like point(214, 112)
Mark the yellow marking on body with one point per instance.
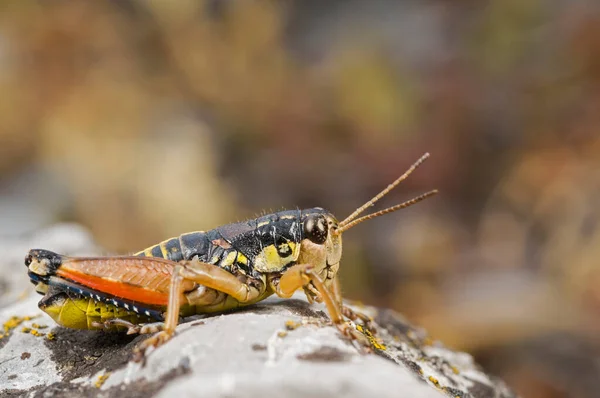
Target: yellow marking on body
point(269, 260)
point(163, 248)
point(229, 259)
point(93, 309)
point(241, 259)
point(271, 255)
point(290, 217)
point(295, 249)
point(148, 251)
point(72, 313)
point(262, 224)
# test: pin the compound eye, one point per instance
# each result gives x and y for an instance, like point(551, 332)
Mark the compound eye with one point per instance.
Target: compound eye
point(315, 229)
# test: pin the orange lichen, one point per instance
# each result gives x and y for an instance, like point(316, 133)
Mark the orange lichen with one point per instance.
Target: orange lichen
point(101, 380)
point(12, 323)
point(291, 325)
point(375, 343)
point(37, 333)
point(434, 381)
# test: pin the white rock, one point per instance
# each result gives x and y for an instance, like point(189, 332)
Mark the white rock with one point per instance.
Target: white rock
point(247, 353)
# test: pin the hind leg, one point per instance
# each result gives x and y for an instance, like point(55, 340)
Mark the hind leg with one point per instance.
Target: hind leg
point(208, 275)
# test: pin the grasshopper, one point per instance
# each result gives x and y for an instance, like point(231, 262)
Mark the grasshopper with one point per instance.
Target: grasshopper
point(202, 272)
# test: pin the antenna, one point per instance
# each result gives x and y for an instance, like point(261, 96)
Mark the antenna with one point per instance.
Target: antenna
point(408, 203)
point(347, 223)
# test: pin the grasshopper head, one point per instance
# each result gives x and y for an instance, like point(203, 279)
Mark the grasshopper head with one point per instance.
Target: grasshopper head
point(319, 230)
point(321, 245)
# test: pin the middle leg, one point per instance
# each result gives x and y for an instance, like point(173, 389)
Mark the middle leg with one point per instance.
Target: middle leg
point(208, 275)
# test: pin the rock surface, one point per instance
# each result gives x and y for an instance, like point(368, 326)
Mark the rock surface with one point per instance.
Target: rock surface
point(283, 348)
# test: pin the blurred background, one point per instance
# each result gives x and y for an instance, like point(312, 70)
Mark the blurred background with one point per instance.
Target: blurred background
point(142, 120)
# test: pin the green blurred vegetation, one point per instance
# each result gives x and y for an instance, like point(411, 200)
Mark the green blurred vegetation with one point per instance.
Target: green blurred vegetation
point(146, 119)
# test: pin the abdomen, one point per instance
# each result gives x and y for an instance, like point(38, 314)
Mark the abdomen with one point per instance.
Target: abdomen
point(183, 247)
point(79, 312)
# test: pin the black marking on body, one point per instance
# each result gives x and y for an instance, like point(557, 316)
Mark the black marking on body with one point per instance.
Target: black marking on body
point(284, 250)
point(52, 260)
point(173, 249)
point(194, 244)
point(271, 229)
point(156, 252)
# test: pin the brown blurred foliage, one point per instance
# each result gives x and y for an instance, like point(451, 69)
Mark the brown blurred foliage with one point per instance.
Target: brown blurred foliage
point(146, 119)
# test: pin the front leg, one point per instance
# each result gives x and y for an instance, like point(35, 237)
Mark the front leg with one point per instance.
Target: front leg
point(300, 275)
point(349, 312)
point(208, 275)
